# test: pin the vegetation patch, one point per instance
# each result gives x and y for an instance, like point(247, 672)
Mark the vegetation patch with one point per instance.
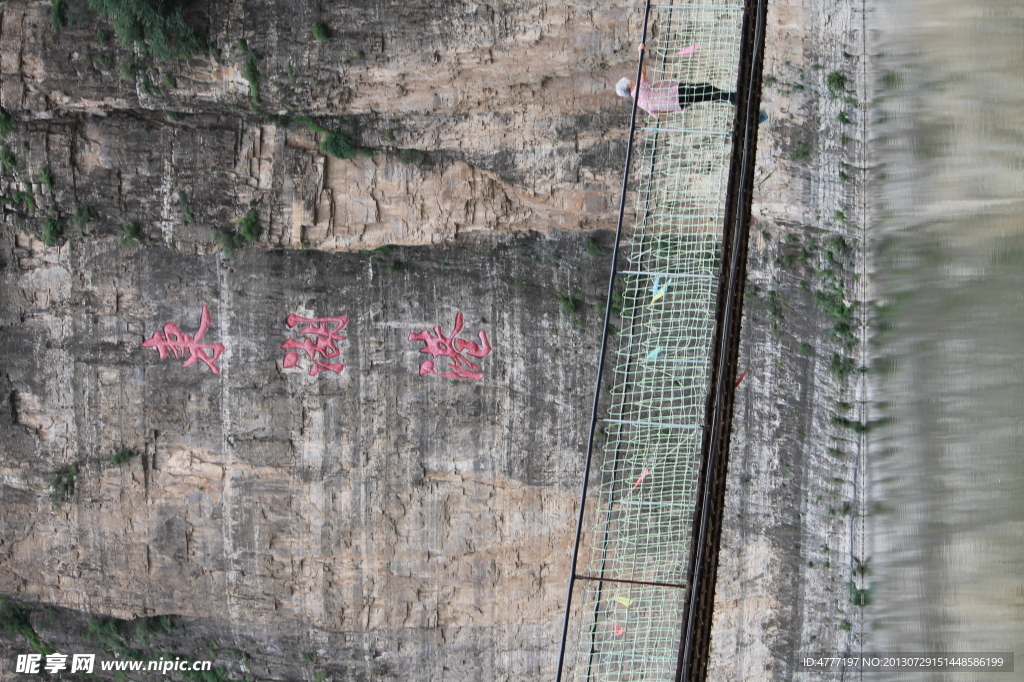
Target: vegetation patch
point(14, 620)
point(247, 232)
point(6, 124)
point(571, 304)
point(185, 211)
point(53, 232)
point(841, 366)
point(62, 485)
point(152, 626)
point(121, 456)
point(250, 72)
point(334, 143)
point(848, 423)
point(47, 177)
point(859, 597)
point(157, 27)
point(58, 14)
point(593, 247)
point(26, 198)
point(7, 158)
point(83, 215)
point(131, 233)
point(321, 32)
point(249, 227)
point(836, 83)
point(130, 69)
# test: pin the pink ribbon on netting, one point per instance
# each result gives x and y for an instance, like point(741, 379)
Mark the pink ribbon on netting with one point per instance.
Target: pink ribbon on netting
point(689, 50)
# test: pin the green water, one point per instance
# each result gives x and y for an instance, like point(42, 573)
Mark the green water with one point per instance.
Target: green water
point(946, 528)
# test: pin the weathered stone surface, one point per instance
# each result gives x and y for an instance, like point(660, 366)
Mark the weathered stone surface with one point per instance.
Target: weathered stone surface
point(396, 526)
point(508, 109)
point(794, 533)
point(375, 503)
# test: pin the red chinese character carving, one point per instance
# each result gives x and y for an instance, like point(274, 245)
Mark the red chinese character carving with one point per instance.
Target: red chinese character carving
point(438, 345)
point(179, 343)
point(323, 343)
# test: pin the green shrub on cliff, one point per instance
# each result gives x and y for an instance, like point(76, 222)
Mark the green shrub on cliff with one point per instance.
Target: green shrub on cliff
point(336, 144)
point(156, 26)
point(320, 32)
point(83, 215)
point(251, 74)
point(121, 456)
point(62, 486)
point(58, 14)
point(7, 158)
point(47, 177)
point(6, 124)
point(247, 232)
point(26, 198)
point(249, 227)
point(14, 620)
point(131, 233)
point(52, 232)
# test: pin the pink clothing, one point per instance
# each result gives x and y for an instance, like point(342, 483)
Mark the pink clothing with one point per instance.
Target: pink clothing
point(658, 97)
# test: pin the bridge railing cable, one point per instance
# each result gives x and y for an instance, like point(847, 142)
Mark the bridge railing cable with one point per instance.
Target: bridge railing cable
point(631, 563)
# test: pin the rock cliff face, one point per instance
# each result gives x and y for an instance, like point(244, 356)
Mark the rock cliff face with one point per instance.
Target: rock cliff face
point(480, 118)
point(374, 502)
point(391, 525)
point(793, 573)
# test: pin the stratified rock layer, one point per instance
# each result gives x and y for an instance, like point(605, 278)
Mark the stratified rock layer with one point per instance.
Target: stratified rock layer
point(390, 524)
point(372, 503)
point(478, 118)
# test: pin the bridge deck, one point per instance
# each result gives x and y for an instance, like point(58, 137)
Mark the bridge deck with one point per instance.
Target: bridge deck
point(629, 594)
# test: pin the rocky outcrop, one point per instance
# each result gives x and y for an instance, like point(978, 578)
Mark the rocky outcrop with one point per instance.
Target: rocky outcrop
point(378, 505)
point(388, 522)
point(476, 118)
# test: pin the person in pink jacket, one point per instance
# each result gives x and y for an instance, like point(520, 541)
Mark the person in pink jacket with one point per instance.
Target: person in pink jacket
point(665, 96)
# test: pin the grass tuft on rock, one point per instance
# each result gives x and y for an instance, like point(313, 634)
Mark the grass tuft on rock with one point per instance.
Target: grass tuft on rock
point(47, 177)
point(320, 32)
point(339, 145)
point(249, 227)
point(593, 247)
point(250, 72)
point(7, 158)
point(121, 456)
point(836, 83)
point(14, 620)
point(58, 14)
point(62, 485)
point(6, 124)
point(186, 212)
point(131, 233)
point(157, 27)
point(53, 232)
point(334, 143)
point(247, 232)
point(83, 215)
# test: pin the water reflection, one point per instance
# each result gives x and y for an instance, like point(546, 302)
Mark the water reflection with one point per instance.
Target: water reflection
point(947, 522)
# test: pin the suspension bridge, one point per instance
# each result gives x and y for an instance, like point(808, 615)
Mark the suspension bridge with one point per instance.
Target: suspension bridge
point(641, 590)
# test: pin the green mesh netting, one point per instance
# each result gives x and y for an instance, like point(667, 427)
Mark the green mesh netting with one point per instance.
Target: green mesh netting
point(640, 514)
